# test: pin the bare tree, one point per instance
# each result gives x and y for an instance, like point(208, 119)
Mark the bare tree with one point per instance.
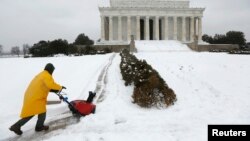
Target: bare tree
point(1, 49)
point(26, 48)
point(15, 50)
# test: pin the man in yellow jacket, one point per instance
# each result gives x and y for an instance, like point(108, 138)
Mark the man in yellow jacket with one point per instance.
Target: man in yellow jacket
point(35, 99)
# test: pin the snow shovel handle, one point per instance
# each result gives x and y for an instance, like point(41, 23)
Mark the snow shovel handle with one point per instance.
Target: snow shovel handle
point(66, 100)
point(63, 98)
point(59, 92)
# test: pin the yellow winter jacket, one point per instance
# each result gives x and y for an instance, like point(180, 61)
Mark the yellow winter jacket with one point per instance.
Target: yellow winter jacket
point(35, 97)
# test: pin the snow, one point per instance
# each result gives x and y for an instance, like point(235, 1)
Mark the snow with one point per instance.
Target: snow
point(160, 46)
point(211, 88)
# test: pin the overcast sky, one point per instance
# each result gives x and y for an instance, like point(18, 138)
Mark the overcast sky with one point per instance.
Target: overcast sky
point(29, 21)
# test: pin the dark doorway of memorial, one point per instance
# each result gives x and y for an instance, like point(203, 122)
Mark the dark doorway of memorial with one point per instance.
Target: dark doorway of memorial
point(142, 29)
point(151, 29)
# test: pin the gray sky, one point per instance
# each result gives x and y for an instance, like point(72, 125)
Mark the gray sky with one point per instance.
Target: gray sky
point(29, 21)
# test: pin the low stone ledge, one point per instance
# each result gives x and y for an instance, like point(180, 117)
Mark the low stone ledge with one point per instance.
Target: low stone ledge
point(113, 48)
point(211, 47)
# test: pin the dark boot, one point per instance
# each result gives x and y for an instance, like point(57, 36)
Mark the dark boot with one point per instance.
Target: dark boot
point(40, 123)
point(45, 128)
point(17, 130)
point(17, 126)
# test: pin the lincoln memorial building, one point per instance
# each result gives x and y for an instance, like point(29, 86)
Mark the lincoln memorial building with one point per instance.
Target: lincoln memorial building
point(150, 20)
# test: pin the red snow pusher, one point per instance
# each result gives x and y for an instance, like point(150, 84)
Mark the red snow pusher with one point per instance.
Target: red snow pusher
point(80, 107)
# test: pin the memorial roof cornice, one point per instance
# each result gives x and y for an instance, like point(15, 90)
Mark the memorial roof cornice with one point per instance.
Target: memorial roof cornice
point(152, 8)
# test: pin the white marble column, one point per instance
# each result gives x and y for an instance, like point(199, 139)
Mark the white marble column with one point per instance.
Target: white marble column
point(138, 30)
point(195, 27)
point(119, 28)
point(110, 28)
point(129, 28)
point(147, 28)
point(200, 29)
point(102, 29)
point(191, 29)
point(175, 28)
point(156, 27)
point(166, 28)
point(184, 29)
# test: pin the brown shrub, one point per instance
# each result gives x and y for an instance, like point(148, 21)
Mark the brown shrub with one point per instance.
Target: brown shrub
point(150, 89)
point(169, 96)
point(154, 93)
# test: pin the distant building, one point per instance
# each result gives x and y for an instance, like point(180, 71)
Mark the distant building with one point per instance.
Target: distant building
point(150, 20)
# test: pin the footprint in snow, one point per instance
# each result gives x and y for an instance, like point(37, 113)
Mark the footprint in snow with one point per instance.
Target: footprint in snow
point(101, 139)
point(119, 121)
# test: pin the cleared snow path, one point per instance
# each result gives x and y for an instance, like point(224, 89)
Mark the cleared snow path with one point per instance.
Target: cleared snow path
point(102, 81)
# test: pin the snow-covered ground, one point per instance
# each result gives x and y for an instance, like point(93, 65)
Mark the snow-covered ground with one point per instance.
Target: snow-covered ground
point(160, 46)
point(211, 89)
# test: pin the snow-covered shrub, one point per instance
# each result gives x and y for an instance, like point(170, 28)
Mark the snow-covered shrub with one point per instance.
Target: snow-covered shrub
point(127, 66)
point(150, 89)
point(154, 92)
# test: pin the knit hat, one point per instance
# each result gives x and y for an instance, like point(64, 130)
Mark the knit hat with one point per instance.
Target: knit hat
point(50, 68)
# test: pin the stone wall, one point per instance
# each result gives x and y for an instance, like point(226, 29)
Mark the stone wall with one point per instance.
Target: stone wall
point(211, 47)
point(114, 48)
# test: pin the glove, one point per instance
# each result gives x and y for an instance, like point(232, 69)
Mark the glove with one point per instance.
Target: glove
point(54, 91)
point(65, 99)
point(64, 87)
point(61, 97)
